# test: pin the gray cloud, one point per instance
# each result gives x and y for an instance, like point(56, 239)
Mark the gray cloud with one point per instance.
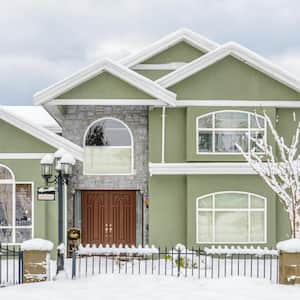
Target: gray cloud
point(43, 41)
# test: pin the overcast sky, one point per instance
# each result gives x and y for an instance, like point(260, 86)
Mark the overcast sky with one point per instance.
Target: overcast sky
point(43, 41)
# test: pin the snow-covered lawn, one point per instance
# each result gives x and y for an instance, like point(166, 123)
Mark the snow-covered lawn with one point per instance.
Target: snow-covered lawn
point(151, 287)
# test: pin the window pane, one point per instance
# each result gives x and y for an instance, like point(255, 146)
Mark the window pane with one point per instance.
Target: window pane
point(257, 202)
point(257, 226)
point(231, 119)
point(226, 141)
point(205, 227)
point(205, 202)
point(102, 160)
point(108, 133)
point(6, 235)
point(23, 234)
point(6, 209)
point(205, 141)
point(257, 122)
point(231, 227)
point(258, 137)
point(4, 173)
point(231, 200)
point(205, 122)
point(23, 205)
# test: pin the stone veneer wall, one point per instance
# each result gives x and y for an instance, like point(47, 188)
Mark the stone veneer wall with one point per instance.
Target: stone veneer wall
point(76, 121)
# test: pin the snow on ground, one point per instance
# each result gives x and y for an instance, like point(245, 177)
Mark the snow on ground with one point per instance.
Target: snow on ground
point(151, 287)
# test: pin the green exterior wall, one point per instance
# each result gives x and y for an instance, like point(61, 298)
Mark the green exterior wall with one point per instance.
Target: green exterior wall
point(231, 79)
point(153, 74)
point(181, 52)
point(167, 210)
point(105, 86)
point(15, 140)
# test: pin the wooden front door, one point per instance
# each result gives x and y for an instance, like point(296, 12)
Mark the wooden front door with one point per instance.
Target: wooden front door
point(108, 217)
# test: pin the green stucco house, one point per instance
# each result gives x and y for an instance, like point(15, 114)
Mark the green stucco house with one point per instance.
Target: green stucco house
point(154, 137)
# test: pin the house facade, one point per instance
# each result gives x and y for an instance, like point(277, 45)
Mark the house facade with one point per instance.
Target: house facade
point(154, 137)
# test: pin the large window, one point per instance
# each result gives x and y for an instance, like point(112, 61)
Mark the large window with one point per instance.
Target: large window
point(108, 148)
point(231, 217)
point(16, 208)
point(219, 132)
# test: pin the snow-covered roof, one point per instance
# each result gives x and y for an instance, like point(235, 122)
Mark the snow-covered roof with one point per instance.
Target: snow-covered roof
point(35, 114)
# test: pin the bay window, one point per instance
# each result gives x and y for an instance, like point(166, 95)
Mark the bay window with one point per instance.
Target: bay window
point(231, 217)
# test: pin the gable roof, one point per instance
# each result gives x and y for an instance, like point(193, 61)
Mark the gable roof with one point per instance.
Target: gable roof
point(140, 82)
point(36, 114)
point(243, 54)
point(41, 133)
point(186, 35)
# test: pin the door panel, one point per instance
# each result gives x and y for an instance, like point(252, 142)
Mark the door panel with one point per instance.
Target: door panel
point(108, 217)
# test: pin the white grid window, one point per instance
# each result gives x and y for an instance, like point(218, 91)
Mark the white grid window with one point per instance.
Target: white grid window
point(231, 218)
point(16, 208)
point(219, 132)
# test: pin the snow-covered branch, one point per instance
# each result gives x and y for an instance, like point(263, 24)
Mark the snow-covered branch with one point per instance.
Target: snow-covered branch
point(280, 170)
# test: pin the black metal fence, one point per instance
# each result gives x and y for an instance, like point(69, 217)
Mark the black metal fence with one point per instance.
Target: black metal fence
point(170, 262)
point(11, 265)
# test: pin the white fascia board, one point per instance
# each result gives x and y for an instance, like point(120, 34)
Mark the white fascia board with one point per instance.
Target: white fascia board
point(168, 66)
point(42, 134)
point(245, 55)
point(107, 102)
point(239, 103)
point(168, 41)
point(131, 77)
point(22, 155)
point(200, 168)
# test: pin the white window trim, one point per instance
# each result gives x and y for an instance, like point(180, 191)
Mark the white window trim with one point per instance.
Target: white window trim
point(13, 182)
point(249, 130)
point(132, 171)
point(249, 210)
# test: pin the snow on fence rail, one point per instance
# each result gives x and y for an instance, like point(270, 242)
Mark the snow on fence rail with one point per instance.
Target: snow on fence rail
point(238, 250)
point(116, 250)
point(177, 261)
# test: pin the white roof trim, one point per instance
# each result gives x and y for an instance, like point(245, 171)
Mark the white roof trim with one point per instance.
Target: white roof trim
point(164, 67)
point(148, 86)
point(42, 134)
point(240, 103)
point(110, 102)
point(200, 168)
point(249, 57)
point(186, 35)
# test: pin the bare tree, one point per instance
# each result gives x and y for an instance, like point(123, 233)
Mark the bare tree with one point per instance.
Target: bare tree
point(280, 172)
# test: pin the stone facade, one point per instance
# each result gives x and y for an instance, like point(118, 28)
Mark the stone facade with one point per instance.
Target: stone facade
point(76, 121)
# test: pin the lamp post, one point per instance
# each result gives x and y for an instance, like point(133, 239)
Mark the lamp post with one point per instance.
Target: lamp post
point(62, 162)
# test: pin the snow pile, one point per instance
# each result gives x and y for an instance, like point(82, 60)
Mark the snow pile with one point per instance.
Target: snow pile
point(114, 250)
point(37, 244)
point(238, 250)
point(290, 246)
point(47, 159)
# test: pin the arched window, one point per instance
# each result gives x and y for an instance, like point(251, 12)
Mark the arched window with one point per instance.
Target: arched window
point(108, 148)
point(219, 132)
point(231, 217)
point(16, 206)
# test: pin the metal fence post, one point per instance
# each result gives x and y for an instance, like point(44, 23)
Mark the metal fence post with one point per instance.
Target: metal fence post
point(21, 269)
point(74, 265)
point(178, 262)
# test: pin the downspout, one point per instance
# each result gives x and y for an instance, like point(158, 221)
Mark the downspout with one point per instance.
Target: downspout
point(163, 131)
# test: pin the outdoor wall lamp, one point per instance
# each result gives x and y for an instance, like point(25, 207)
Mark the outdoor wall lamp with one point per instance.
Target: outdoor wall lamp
point(62, 162)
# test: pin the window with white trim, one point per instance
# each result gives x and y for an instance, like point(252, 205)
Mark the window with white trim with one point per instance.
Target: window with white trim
point(16, 208)
point(231, 217)
point(219, 132)
point(108, 148)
